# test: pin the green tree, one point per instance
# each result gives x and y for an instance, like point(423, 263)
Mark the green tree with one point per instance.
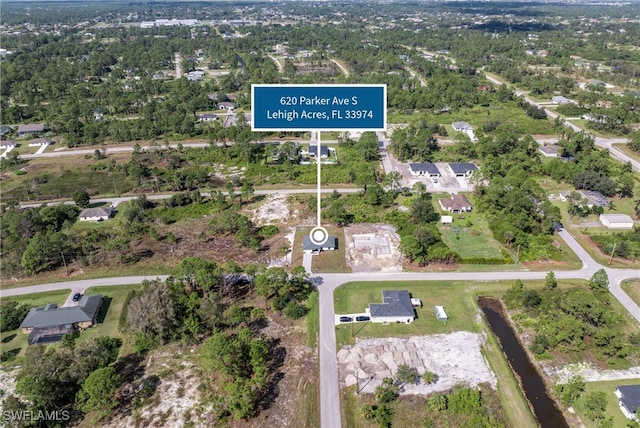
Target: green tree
point(595, 404)
point(550, 282)
point(97, 393)
point(406, 375)
point(81, 198)
point(599, 282)
point(570, 391)
point(428, 377)
point(387, 391)
point(11, 315)
point(437, 402)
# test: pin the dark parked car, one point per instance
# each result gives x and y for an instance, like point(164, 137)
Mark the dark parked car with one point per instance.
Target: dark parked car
point(77, 297)
point(346, 319)
point(362, 318)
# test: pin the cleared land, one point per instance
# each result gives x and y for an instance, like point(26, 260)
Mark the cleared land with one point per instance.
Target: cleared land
point(454, 358)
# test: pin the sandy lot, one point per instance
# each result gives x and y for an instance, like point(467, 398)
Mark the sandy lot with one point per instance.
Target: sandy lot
point(373, 247)
point(454, 358)
point(587, 371)
point(274, 209)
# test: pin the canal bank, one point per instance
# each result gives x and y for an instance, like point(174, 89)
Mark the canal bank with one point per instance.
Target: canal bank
point(543, 406)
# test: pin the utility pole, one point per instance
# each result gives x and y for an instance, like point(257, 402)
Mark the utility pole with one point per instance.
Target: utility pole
point(612, 251)
point(64, 262)
point(518, 255)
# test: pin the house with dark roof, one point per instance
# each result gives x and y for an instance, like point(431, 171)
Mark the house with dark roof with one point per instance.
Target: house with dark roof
point(456, 204)
point(30, 129)
point(4, 130)
point(396, 306)
point(462, 169)
point(425, 170)
point(629, 401)
point(310, 247)
point(313, 151)
point(96, 214)
point(49, 323)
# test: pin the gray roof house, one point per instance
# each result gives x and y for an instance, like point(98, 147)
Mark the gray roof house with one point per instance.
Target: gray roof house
point(462, 169)
point(96, 214)
point(310, 247)
point(396, 307)
point(29, 129)
point(424, 169)
point(49, 323)
point(462, 126)
point(324, 151)
point(629, 400)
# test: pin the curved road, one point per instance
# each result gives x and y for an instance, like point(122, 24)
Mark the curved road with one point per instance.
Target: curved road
point(329, 384)
point(605, 143)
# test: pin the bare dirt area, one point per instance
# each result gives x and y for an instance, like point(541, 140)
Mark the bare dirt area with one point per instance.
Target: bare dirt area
point(274, 209)
point(454, 358)
point(176, 392)
point(587, 371)
point(373, 247)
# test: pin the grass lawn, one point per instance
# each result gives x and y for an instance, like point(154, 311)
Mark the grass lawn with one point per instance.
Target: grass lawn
point(473, 238)
point(632, 288)
point(459, 301)
point(455, 296)
point(326, 261)
point(612, 401)
point(624, 148)
point(15, 341)
point(112, 304)
point(313, 319)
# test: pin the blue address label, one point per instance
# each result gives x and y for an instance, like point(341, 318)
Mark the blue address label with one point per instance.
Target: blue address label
point(318, 107)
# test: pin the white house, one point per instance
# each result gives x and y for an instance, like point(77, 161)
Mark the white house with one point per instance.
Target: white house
point(39, 142)
point(616, 221)
point(629, 400)
point(397, 307)
point(96, 214)
point(7, 144)
point(309, 247)
point(425, 170)
point(462, 169)
point(559, 99)
point(207, 117)
point(465, 128)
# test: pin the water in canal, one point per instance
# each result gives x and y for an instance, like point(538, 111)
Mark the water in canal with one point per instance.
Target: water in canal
point(544, 408)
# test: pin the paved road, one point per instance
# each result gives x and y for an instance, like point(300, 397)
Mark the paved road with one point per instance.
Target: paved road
point(327, 283)
point(158, 197)
point(606, 143)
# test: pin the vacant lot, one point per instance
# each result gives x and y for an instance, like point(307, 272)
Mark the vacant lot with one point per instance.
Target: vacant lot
point(454, 358)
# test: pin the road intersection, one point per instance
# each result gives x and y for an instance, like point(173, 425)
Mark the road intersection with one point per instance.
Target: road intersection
point(330, 415)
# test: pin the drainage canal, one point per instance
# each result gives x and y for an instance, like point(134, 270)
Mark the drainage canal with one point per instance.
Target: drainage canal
point(544, 408)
